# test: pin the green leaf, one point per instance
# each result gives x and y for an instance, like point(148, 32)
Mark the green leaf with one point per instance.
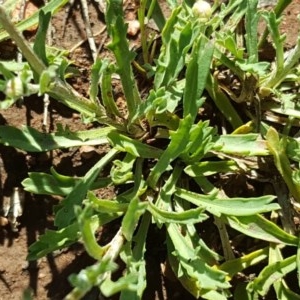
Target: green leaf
point(259, 227)
point(31, 140)
point(39, 46)
point(252, 17)
point(53, 240)
point(165, 195)
point(132, 146)
point(207, 168)
point(133, 255)
point(157, 14)
point(234, 266)
point(222, 102)
point(228, 42)
point(196, 75)
point(272, 273)
point(273, 26)
point(7, 68)
point(96, 71)
point(201, 141)
point(107, 92)
point(123, 284)
point(91, 276)
point(277, 148)
point(106, 205)
point(242, 144)
point(65, 213)
point(135, 209)
point(177, 37)
point(43, 183)
point(122, 171)
point(135, 262)
point(194, 274)
point(282, 290)
point(120, 47)
point(88, 224)
point(179, 140)
point(190, 216)
point(230, 206)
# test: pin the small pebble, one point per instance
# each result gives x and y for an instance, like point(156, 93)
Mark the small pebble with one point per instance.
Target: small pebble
point(133, 27)
point(87, 151)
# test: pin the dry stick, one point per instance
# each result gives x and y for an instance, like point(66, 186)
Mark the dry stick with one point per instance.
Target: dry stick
point(88, 28)
point(67, 10)
point(84, 40)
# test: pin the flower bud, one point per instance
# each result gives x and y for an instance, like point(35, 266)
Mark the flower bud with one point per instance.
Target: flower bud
point(14, 88)
point(202, 10)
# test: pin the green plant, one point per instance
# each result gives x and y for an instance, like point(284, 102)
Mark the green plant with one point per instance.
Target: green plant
point(165, 155)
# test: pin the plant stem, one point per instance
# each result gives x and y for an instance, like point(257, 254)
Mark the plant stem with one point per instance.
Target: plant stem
point(292, 59)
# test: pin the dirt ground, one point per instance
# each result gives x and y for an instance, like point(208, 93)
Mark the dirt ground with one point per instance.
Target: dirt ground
point(48, 277)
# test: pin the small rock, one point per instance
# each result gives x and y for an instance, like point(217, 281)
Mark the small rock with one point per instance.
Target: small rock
point(133, 27)
point(42, 275)
point(87, 151)
point(3, 221)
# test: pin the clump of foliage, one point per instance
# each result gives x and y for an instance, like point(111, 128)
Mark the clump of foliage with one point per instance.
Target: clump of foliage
point(166, 154)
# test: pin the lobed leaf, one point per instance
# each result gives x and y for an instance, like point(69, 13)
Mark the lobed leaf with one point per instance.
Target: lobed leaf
point(53, 240)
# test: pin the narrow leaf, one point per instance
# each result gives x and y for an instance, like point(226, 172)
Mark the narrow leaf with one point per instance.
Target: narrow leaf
point(259, 227)
point(132, 146)
point(179, 140)
point(39, 46)
point(31, 140)
point(132, 216)
point(207, 168)
point(65, 213)
point(273, 273)
point(196, 75)
point(190, 216)
point(53, 240)
point(230, 206)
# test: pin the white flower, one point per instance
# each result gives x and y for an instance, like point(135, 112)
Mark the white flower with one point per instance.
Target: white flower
point(202, 10)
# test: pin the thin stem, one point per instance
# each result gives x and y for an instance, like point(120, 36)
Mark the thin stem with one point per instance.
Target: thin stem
point(36, 64)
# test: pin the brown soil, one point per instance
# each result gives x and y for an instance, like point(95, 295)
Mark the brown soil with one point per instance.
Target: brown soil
point(48, 277)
